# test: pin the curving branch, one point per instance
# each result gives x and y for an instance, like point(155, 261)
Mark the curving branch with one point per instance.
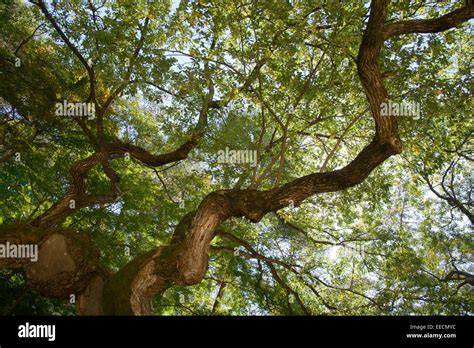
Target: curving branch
point(464, 278)
point(76, 193)
point(185, 260)
point(76, 196)
point(435, 25)
point(67, 264)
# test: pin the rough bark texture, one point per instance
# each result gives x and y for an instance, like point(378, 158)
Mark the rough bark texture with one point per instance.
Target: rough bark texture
point(185, 263)
point(448, 21)
point(69, 263)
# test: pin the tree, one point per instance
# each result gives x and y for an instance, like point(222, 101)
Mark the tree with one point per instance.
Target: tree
point(128, 139)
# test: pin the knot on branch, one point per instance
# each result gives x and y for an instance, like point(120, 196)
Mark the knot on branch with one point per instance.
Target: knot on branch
point(395, 145)
point(247, 203)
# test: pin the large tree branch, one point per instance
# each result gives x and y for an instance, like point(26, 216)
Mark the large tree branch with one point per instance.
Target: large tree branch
point(434, 25)
point(66, 266)
point(76, 196)
point(185, 261)
point(386, 129)
point(464, 278)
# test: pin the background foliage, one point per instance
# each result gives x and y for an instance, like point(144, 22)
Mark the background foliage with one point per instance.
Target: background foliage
point(382, 247)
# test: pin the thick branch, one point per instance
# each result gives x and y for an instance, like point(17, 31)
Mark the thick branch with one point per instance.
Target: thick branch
point(435, 25)
point(186, 261)
point(76, 196)
point(66, 263)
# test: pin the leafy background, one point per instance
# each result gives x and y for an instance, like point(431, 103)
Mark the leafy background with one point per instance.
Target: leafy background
point(381, 248)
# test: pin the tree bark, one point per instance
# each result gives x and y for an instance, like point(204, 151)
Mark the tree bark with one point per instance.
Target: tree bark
point(69, 263)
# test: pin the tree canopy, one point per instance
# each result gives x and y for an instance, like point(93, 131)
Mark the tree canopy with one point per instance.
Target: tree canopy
point(232, 157)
